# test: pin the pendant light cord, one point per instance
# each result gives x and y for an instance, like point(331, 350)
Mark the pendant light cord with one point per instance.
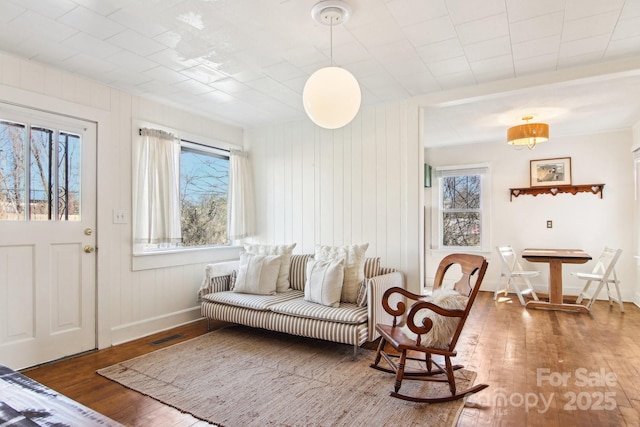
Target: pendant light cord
point(331, 43)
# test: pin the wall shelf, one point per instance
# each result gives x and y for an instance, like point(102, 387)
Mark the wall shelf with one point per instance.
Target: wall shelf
point(572, 189)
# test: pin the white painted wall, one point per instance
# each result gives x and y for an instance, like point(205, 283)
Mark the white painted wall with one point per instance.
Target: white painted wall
point(130, 303)
point(358, 184)
point(581, 221)
point(636, 212)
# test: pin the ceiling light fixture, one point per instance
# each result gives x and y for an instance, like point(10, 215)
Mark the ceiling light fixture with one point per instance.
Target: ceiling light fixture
point(528, 134)
point(331, 97)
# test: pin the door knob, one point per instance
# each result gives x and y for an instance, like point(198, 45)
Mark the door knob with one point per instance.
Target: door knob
point(89, 249)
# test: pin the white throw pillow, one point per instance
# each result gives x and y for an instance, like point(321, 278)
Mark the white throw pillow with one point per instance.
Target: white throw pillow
point(257, 274)
point(284, 251)
point(324, 282)
point(354, 257)
point(443, 327)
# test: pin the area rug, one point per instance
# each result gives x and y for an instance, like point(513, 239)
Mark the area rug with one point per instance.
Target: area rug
point(240, 376)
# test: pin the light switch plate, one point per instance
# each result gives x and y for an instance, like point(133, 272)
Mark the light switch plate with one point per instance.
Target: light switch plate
point(119, 216)
point(549, 223)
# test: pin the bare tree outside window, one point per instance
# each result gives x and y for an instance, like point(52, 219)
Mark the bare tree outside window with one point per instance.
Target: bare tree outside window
point(204, 182)
point(39, 173)
point(461, 222)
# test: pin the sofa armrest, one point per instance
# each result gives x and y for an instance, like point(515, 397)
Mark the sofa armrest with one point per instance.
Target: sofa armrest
point(216, 277)
point(376, 287)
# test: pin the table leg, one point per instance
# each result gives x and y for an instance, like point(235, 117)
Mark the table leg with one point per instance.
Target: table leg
point(555, 292)
point(555, 281)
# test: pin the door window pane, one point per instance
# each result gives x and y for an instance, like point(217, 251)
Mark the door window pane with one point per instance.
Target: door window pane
point(40, 176)
point(42, 164)
point(68, 177)
point(12, 171)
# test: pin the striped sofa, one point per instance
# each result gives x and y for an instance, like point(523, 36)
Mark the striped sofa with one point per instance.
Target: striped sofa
point(288, 312)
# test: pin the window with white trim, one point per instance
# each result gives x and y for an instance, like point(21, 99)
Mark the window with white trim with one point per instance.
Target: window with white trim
point(463, 207)
point(180, 193)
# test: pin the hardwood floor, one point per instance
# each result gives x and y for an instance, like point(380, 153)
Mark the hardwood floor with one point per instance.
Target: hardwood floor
point(544, 368)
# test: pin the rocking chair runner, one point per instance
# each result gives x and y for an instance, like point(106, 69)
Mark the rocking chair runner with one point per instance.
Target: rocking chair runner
point(405, 347)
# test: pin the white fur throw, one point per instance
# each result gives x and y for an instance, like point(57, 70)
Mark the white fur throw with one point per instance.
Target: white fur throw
point(443, 327)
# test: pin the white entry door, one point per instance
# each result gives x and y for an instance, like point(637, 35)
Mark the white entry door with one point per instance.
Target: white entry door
point(47, 236)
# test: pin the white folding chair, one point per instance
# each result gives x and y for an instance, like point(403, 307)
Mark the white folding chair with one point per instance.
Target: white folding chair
point(512, 270)
point(601, 274)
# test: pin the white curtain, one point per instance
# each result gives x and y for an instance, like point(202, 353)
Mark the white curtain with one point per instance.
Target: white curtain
point(156, 188)
point(241, 197)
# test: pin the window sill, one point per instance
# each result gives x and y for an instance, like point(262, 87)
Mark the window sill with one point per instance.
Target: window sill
point(186, 256)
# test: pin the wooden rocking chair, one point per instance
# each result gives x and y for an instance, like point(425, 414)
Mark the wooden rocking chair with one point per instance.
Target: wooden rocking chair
point(405, 347)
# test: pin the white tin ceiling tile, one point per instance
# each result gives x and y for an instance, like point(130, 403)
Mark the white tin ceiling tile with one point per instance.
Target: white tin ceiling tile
point(395, 51)
point(157, 87)
point(419, 83)
point(87, 64)
point(623, 47)
point(538, 47)
point(172, 59)
point(596, 45)
point(346, 54)
point(413, 66)
point(120, 77)
point(203, 74)
point(366, 68)
point(577, 9)
point(627, 28)
point(519, 10)
point(194, 87)
point(461, 12)
point(283, 71)
point(229, 85)
point(631, 9)
point(449, 66)
point(372, 35)
point(536, 28)
point(483, 29)
point(409, 12)
point(131, 62)
point(103, 7)
point(535, 64)
point(440, 51)
point(302, 55)
point(49, 52)
point(488, 49)
point(603, 23)
point(431, 31)
point(578, 59)
point(391, 92)
point(146, 27)
point(50, 9)
point(453, 80)
point(9, 11)
point(91, 22)
point(86, 43)
point(165, 75)
point(135, 42)
point(491, 69)
point(31, 23)
point(217, 97)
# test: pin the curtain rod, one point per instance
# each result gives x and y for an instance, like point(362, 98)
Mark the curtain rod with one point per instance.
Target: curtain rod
point(195, 143)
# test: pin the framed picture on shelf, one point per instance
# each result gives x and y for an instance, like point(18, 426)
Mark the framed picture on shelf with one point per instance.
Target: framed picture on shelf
point(550, 172)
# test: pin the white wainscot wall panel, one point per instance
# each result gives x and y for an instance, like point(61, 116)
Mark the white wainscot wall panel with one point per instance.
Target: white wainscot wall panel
point(346, 186)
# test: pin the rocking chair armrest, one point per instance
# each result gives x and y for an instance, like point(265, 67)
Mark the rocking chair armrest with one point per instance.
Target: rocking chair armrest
point(427, 323)
point(377, 287)
point(401, 307)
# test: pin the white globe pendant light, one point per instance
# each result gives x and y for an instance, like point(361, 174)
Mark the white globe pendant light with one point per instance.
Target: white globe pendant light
point(331, 97)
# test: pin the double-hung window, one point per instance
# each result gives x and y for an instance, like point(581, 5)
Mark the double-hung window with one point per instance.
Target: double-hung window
point(463, 207)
